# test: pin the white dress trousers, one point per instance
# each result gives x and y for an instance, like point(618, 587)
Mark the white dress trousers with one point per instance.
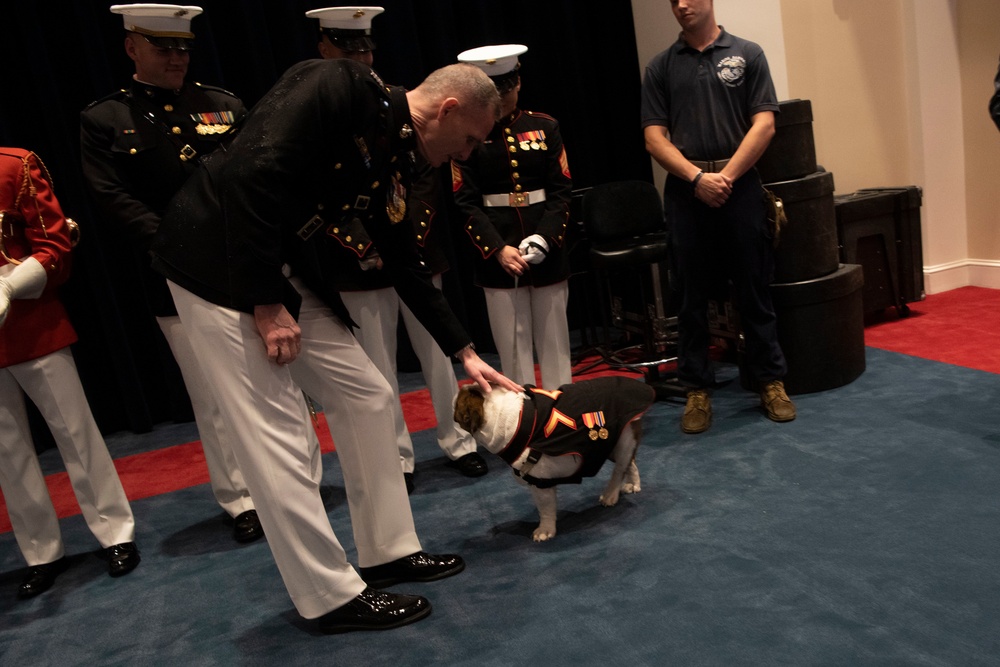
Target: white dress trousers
point(54, 386)
point(376, 313)
point(261, 404)
point(537, 316)
point(225, 477)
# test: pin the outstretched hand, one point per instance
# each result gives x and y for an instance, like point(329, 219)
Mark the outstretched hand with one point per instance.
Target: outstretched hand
point(483, 374)
point(279, 331)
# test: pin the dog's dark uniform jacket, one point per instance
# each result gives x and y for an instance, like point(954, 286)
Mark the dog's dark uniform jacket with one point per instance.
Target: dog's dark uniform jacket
point(560, 423)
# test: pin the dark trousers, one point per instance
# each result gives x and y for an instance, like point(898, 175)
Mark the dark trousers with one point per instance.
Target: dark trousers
point(712, 245)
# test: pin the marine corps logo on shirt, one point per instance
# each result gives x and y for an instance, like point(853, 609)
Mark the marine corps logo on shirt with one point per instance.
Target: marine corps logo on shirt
point(730, 70)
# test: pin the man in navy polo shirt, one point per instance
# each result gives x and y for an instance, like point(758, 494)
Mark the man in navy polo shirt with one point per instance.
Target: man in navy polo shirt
point(708, 108)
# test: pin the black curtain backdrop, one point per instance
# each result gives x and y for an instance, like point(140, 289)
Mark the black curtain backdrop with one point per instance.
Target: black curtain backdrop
point(60, 55)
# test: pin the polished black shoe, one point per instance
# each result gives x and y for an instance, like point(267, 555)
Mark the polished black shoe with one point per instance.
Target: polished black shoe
point(246, 527)
point(41, 577)
point(420, 566)
point(122, 558)
point(408, 477)
point(470, 465)
point(375, 610)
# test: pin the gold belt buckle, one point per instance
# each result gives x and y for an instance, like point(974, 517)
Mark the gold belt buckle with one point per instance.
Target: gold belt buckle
point(187, 153)
point(518, 199)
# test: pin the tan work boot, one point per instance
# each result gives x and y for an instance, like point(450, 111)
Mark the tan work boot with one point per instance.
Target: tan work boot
point(776, 403)
point(698, 412)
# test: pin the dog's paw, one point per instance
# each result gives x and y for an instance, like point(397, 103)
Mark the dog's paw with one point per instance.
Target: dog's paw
point(609, 499)
point(543, 533)
point(629, 487)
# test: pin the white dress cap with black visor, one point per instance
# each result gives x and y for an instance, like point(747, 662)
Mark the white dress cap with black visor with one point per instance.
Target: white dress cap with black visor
point(498, 61)
point(163, 26)
point(347, 28)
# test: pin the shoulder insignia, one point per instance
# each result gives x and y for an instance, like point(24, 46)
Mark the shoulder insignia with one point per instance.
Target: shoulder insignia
point(538, 114)
point(117, 95)
point(215, 88)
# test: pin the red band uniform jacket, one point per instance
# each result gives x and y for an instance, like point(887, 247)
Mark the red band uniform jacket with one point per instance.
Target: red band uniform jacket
point(523, 153)
point(33, 226)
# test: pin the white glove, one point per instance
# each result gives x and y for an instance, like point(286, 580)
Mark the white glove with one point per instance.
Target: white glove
point(534, 249)
point(25, 281)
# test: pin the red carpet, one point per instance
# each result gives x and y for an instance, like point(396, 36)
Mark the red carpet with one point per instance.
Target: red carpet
point(958, 327)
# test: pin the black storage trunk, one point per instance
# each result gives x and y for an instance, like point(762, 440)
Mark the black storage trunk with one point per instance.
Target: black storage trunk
point(821, 330)
point(907, 201)
point(792, 151)
point(879, 228)
point(807, 247)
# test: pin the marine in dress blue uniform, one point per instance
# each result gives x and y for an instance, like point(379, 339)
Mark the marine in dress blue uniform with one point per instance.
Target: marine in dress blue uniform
point(328, 145)
point(368, 292)
point(514, 192)
point(138, 146)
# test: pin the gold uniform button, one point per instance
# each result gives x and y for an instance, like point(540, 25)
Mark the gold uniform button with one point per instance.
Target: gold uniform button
point(345, 207)
point(427, 211)
point(347, 238)
point(513, 149)
point(132, 151)
point(336, 230)
point(478, 238)
point(517, 188)
point(423, 224)
point(510, 139)
point(513, 163)
point(337, 166)
point(175, 129)
point(375, 185)
point(507, 130)
point(486, 248)
point(516, 175)
point(361, 246)
point(419, 237)
point(168, 107)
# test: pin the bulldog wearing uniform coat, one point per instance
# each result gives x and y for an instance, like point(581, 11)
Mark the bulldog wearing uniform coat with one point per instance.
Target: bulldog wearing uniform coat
point(561, 436)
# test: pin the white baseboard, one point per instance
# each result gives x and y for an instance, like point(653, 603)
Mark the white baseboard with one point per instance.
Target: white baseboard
point(975, 272)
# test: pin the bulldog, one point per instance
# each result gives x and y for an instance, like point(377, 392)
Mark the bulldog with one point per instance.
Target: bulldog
point(561, 436)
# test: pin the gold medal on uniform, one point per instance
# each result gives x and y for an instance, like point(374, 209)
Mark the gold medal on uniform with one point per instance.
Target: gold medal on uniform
point(590, 421)
point(395, 205)
point(542, 145)
point(595, 422)
point(524, 145)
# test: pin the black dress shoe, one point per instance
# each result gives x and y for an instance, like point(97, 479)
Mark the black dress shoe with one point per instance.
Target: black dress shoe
point(41, 577)
point(408, 477)
point(246, 527)
point(122, 558)
point(470, 465)
point(420, 566)
point(375, 610)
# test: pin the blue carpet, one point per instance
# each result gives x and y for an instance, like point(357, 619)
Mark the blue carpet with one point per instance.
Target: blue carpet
point(863, 533)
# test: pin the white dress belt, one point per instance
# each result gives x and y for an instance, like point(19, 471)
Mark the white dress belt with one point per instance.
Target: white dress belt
point(515, 199)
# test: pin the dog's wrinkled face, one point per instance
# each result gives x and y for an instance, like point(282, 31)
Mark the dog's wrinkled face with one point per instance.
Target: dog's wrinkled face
point(469, 413)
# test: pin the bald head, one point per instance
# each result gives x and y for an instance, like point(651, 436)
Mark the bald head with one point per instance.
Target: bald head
point(453, 110)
